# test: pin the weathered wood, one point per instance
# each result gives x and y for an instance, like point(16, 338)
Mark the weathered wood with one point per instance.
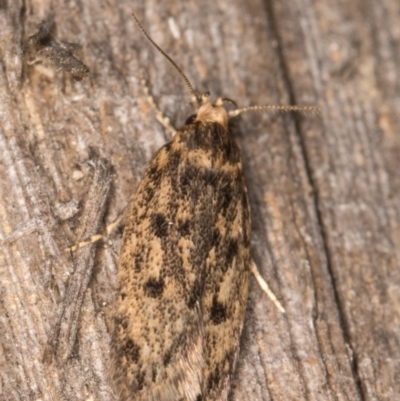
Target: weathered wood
point(324, 193)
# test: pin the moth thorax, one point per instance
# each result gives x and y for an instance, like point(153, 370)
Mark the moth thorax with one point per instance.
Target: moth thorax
point(210, 113)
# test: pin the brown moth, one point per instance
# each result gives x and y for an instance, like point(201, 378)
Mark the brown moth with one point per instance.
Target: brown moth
point(184, 268)
point(183, 272)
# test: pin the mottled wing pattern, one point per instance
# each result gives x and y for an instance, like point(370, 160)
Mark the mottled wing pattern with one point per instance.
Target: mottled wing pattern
point(183, 272)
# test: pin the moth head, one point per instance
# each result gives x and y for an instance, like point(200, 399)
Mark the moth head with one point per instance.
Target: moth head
point(211, 112)
point(208, 112)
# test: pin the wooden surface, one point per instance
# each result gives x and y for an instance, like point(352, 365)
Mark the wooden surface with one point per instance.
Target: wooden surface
point(324, 192)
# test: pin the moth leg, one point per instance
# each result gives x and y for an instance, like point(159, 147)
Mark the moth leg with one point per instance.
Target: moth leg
point(97, 237)
point(160, 116)
point(265, 287)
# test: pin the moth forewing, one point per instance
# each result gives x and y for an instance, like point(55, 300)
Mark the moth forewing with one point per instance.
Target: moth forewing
point(183, 271)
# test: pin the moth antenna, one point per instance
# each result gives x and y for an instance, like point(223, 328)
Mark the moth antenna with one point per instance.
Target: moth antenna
point(192, 92)
point(276, 107)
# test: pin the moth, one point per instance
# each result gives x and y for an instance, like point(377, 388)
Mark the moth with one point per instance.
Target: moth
point(183, 271)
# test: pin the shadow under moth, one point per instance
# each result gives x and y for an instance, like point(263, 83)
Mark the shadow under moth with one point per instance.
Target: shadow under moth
point(184, 266)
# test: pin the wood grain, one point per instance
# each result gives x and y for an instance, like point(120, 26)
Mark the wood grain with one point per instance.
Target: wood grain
point(324, 192)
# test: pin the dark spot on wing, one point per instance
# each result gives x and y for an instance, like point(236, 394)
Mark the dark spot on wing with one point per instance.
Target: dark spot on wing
point(231, 251)
point(159, 225)
point(218, 311)
point(131, 350)
point(184, 227)
point(154, 288)
point(167, 357)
